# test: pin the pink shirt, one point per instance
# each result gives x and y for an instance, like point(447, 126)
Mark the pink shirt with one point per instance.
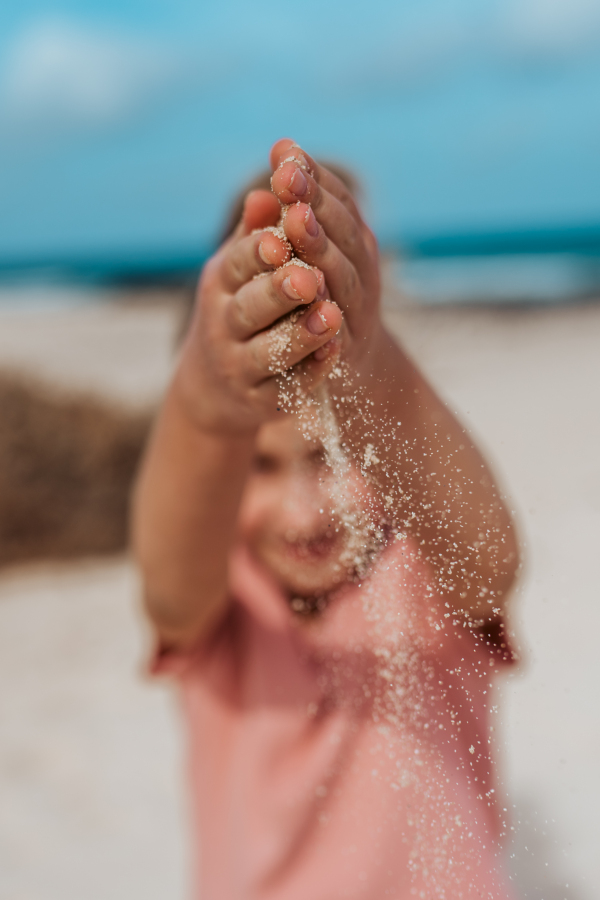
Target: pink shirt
point(346, 755)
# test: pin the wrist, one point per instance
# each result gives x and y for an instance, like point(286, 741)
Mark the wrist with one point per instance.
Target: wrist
point(203, 415)
point(382, 385)
point(383, 363)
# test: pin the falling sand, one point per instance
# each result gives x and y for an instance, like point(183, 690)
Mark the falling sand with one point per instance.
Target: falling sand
point(412, 698)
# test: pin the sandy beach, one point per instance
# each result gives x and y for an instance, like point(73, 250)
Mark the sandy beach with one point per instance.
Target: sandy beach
point(91, 752)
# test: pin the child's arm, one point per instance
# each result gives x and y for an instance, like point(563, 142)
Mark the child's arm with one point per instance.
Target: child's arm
point(437, 483)
point(187, 497)
point(443, 490)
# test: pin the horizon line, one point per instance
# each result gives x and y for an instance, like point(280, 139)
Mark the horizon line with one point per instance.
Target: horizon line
point(145, 264)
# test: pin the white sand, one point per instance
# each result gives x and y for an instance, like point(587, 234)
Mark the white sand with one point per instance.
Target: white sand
point(118, 345)
point(91, 765)
point(91, 777)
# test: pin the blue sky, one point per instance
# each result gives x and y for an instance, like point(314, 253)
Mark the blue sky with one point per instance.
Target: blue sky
point(127, 126)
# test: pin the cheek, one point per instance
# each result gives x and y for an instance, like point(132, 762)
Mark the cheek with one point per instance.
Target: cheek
point(256, 509)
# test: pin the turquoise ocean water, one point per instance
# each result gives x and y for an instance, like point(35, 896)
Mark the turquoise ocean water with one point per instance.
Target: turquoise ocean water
point(126, 129)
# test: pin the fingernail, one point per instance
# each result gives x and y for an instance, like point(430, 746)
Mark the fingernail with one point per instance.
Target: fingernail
point(298, 184)
point(310, 223)
point(263, 255)
point(317, 323)
point(321, 286)
point(289, 291)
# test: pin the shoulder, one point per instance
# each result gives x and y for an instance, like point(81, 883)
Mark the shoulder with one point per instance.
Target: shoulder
point(255, 606)
point(403, 594)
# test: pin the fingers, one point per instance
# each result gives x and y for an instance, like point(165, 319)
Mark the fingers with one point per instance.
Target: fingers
point(244, 257)
point(286, 151)
point(291, 340)
point(287, 147)
point(261, 209)
point(260, 302)
point(312, 245)
point(292, 184)
point(308, 373)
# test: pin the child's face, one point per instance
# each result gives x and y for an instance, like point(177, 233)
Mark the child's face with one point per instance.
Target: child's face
point(287, 516)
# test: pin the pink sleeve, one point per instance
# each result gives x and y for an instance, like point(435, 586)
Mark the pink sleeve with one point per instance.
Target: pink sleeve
point(494, 635)
point(177, 662)
point(172, 661)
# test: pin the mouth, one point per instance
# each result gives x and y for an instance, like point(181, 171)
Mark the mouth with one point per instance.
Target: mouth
point(314, 548)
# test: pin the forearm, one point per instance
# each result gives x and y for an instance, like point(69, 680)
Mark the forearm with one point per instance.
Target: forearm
point(439, 486)
point(184, 518)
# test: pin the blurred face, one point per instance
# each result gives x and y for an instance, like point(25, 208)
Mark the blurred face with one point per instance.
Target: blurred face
point(287, 516)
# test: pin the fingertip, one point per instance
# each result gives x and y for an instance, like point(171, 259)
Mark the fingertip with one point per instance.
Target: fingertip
point(261, 209)
point(285, 148)
point(289, 182)
point(331, 314)
point(295, 215)
point(300, 223)
point(299, 284)
point(272, 250)
point(279, 151)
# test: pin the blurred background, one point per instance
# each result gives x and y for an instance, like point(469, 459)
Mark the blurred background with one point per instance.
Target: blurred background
point(126, 129)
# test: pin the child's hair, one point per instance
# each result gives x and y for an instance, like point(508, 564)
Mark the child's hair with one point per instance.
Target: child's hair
point(261, 181)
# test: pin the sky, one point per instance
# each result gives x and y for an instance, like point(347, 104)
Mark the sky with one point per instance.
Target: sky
point(128, 126)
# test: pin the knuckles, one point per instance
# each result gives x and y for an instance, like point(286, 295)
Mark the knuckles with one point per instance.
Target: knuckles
point(241, 316)
point(257, 356)
point(351, 287)
point(235, 269)
point(353, 242)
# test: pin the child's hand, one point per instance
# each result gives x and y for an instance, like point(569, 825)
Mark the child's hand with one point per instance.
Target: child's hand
point(226, 375)
point(331, 234)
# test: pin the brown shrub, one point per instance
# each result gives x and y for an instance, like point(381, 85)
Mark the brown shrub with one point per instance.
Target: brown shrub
point(66, 468)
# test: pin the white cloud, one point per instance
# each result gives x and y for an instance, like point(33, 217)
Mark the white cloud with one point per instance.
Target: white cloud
point(436, 41)
point(57, 71)
point(553, 27)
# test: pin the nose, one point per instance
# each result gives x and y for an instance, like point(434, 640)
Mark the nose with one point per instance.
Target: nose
point(306, 506)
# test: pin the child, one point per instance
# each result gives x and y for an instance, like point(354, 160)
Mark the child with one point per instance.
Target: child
point(326, 562)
